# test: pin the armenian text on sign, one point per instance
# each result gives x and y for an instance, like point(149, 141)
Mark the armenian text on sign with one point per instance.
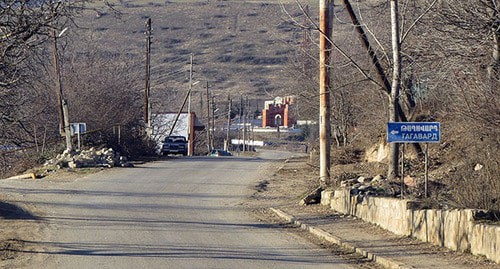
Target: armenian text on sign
point(413, 132)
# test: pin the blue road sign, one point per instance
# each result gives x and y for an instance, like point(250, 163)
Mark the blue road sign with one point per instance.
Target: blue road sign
point(78, 128)
point(413, 132)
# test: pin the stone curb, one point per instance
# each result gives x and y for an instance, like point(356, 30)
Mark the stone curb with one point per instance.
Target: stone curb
point(384, 261)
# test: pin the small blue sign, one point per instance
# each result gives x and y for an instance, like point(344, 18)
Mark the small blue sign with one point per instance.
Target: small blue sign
point(413, 132)
point(78, 128)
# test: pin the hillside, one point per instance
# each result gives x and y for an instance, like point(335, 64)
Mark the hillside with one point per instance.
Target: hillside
point(239, 47)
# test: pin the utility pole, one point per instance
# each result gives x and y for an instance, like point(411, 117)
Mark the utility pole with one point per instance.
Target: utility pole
point(190, 140)
point(190, 82)
point(244, 126)
point(57, 76)
point(239, 121)
point(213, 123)
point(252, 130)
point(62, 106)
point(325, 47)
point(147, 101)
point(242, 119)
point(208, 121)
point(230, 103)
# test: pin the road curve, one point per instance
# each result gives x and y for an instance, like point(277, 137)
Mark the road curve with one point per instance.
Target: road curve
point(180, 213)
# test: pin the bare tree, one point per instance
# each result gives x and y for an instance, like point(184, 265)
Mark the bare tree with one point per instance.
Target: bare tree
point(392, 170)
point(24, 27)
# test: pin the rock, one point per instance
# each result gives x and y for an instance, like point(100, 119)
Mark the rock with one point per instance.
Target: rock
point(378, 178)
point(313, 197)
point(363, 188)
point(72, 164)
point(361, 179)
point(350, 182)
point(478, 167)
point(410, 181)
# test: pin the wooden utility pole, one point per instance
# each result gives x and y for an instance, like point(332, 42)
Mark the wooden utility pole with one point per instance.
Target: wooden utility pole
point(57, 76)
point(190, 131)
point(239, 121)
point(213, 122)
point(325, 47)
point(62, 107)
point(208, 121)
point(230, 103)
point(179, 113)
point(190, 82)
point(147, 103)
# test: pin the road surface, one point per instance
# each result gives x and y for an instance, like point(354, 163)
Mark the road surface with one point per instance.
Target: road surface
point(180, 213)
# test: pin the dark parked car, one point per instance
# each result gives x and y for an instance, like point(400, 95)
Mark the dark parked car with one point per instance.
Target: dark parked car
point(219, 152)
point(174, 145)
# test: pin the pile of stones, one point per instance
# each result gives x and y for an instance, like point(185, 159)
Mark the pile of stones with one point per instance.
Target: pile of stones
point(376, 186)
point(105, 157)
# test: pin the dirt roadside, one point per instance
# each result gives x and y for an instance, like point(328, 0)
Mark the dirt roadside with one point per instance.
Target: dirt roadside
point(21, 222)
point(294, 178)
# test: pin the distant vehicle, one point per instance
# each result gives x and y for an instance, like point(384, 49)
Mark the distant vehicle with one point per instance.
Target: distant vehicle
point(174, 145)
point(219, 153)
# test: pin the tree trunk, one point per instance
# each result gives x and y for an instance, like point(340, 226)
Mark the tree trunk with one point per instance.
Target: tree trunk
point(380, 74)
point(392, 170)
point(495, 59)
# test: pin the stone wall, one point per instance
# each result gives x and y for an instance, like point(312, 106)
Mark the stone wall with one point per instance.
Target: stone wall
point(455, 229)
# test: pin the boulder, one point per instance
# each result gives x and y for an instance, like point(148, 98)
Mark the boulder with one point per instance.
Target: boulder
point(410, 181)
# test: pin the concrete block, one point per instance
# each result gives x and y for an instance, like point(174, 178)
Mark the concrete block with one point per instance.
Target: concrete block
point(326, 197)
point(435, 227)
point(485, 240)
point(465, 230)
point(341, 201)
point(419, 225)
point(451, 229)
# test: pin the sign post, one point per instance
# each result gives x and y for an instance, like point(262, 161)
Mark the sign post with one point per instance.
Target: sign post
point(415, 132)
point(78, 128)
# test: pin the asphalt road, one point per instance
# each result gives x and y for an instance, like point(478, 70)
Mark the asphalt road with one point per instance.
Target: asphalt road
point(181, 213)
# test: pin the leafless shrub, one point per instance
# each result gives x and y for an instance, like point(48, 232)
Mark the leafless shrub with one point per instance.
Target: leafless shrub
point(346, 155)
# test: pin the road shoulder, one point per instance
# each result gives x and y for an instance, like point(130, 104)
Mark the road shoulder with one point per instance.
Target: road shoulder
point(294, 178)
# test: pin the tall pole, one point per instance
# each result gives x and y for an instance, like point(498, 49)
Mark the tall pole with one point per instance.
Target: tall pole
point(190, 144)
point(239, 121)
point(245, 131)
point(67, 131)
point(179, 113)
point(208, 121)
point(325, 45)
point(62, 107)
point(213, 123)
point(57, 76)
point(242, 112)
point(147, 103)
point(230, 103)
point(190, 82)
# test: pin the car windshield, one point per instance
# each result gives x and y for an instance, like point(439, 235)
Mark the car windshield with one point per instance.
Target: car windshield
point(175, 140)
